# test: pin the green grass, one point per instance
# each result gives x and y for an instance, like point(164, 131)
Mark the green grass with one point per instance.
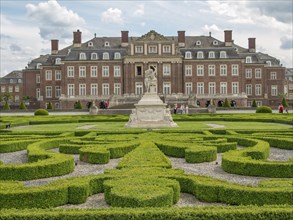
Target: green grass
point(119, 126)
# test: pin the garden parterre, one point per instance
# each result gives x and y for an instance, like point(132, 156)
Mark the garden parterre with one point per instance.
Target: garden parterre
point(144, 177)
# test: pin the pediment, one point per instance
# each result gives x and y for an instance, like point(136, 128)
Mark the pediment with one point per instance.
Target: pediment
point(152, 36)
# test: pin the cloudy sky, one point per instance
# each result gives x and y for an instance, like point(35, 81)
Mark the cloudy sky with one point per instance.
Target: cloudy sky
point(28, 26)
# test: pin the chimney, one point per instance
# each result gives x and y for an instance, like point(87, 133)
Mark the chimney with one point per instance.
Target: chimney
point(124, 38)
point(251, 45)
point(54, 46)
point(77, 39)
point(181, 38)
point(228, 38)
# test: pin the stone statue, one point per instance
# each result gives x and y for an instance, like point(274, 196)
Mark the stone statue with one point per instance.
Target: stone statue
point(150, 79)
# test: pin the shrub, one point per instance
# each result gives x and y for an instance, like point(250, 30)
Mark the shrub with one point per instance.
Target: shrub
point(41, 111)
point(6, 106)
point(50, 106)
point(263, 109)
point(22, 106)
point(285, 103)
point(254, 105)
point(77, 105)
point(226, 103)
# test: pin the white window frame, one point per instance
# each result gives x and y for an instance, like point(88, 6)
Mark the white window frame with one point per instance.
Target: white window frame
point(188, 88)
point(117, 71)
point(223, 70)
point(259, 103)
point(223, 88)
point(82, 56)
point(70, 71)
point(212, 55)
point(139, 49)
point(82, 71)
point(138, 88)
point(3, 89)
point(212, 70)
point(58, 75)
point(188, 55)
point(16, 98)
point(38, 93)
point(167, 88)
point(94, 71)
point(248, 59)
point(167, 69)
point(274, 90)
point(248, 73)
point(273, 76)
point(10, 89)
point(117, 55)
point(188, 70)
point(16, 88)
point(223, 54)
point(48, 91)
point(48, 75)
point(58, 91)
point(71, 89)
point(94, 56)
point(58, 61)
point(235, 87)
point(153, 49)
point(117, 88)
point(235, 70)
point(105, 71)
point(200, 88)
point(105, 89)
point(200, 55)
point(94, 89)
point(106, 56)
point(82, 89)
point(166, 49)
point(257, 73)
point(258, 89)
point(248, 89)
point(212, 88)
point(38, 78)
point(200, 70)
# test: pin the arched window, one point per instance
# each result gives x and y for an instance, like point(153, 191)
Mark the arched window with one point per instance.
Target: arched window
point(188, 55)
point(94, 56)
point(269, 63)
point(223, 54)
point(82, 56)
point(248, 60)
point(117, 56)
point(106, 56)
point(212, 54)
point(39, 65)
point(58, 61)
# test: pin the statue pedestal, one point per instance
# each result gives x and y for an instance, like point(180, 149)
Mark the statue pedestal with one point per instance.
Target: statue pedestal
point(150, 112)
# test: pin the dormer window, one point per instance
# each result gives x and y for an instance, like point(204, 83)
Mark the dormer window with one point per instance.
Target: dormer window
point(248, 60)
point(223, 54)
point(82, 56)
point(39, 65)
point(58, 61)
point(117, 56)
point(107, 44)
point(215, 42)
point(94, 56)
point(269, 63)
point(200, 55)
point(198, 43)
point(11, 80)
point(90, 44)
point(211, 54)
point(188, 55)
point(105, 56)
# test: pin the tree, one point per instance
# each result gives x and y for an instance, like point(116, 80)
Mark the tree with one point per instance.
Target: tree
point(254, 105)
point(226, 103)
point(22, 106)
point(6, 97)
point(49, 106)
point(285, 103)
point(77, 105)
point(6, 106)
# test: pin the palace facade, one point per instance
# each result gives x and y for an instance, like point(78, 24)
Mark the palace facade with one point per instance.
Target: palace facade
point(193, 70)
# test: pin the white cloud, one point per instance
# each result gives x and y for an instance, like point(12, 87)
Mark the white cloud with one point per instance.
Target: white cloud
point(112, 15)
point(54, 20)
point(212, 28)
point(140, 11)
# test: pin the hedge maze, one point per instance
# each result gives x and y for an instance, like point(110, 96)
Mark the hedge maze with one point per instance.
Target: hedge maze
point(144, 183)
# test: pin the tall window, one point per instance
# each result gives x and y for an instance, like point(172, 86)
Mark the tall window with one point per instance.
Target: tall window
point(105, 89)
point(38, 93)
point(188, 70)
point(70, 71)
point(117, 71)
point(212, 70)
point(38, 78)
point(234, 70)
point(105, 71)
point(117, 56)
point(166, 88)
point(200, 55)
point(223, 87)
point(152, 49)
point(70, 90)
point(48, 91)
point(273, 75)
point(57, 91)
point(199, 70)
point(48, 74)
point(94, 89)
point(248, 60)
point(138, 49)
point(258, 89)
point(106, 56)
point(211, 54)
point(258, 73)
point(235, 89)
point(188, 88)
point(138, 88)
point(94, 71)
point(223, 54)
point(200, 88)
point(166, 49)
point(82, 71)
point(117, 88)
point(82, 89)
point(58, 75)
point(248, 73)
point(248, 89)
point(274, 90)
point(166, 69)
point(94, 56)
point(223, 70)
point(212, 88)
point(82, 56)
